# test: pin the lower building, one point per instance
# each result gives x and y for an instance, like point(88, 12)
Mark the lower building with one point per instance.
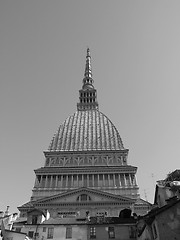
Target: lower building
point(112, 228)
point(41, 226)
point(167, 188)
point(161, 223)
point(13, 235)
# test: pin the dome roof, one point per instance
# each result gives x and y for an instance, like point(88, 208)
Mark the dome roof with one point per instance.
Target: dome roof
point(86, 131)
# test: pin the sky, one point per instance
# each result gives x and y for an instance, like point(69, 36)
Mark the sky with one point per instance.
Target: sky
point(135, 50)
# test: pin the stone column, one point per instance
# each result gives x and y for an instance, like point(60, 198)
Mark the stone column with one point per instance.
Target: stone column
point(83, 180)
point(60, 177)
point(37, 183)
point(125, 181)
point(72, 178)
point(46, 182)
point(77, 180)
point(56, 183)
point(119, 180)
point(109, 180)
point(98, 180)
point(66, 185)
point(122, 160)
point(69, 181)
point(131, 183)
point(51, 180)
point(93, 180)
point(103, 181)
point(87, 180)
point(40, 182)
point(135, 180)
point(114, 180)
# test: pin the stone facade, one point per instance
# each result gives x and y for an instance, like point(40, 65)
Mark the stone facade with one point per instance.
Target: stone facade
point(100, 227)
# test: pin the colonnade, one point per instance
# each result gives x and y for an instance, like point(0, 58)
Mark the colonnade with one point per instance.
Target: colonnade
point(71, 181)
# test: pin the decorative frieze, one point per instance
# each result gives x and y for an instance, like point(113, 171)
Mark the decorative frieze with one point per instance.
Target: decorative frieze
point(71, 160)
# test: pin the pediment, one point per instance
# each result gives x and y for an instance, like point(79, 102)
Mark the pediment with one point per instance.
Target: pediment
point(79, 196)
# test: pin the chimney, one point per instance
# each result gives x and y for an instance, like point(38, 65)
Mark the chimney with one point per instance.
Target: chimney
point(7, 211)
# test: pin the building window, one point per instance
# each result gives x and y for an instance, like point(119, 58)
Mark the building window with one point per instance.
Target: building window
point(34, 219)
point(18, 229)
point(68, 232)
point(102, 214)
point(30, 234)
point(83, 197)
point(66, 214)
point(92, 232)
point(36, 235)
point(50, 233)
point(111, 232)
point(44, 229)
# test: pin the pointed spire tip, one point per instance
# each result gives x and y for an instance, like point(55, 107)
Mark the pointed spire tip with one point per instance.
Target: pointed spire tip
point(88, 52)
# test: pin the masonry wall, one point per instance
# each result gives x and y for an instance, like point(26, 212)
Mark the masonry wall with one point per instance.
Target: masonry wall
point(168, 223)
point(122, 232)
point(14, 236)
point(79, 232)
point(146, 235)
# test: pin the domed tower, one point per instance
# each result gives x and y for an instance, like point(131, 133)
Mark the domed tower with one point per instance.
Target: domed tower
point(87, 150)
point(86, 160)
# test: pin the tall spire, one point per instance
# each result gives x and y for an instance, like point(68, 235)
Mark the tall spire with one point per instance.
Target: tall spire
point(88, 71)
point(88, 94)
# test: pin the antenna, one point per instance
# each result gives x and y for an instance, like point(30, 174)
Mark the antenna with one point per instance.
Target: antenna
point(153, 180)
point(145, 194)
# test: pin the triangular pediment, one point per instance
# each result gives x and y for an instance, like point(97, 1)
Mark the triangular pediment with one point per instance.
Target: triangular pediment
point(83, 195)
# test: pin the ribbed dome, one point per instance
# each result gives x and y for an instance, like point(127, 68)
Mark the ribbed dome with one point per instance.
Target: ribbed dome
point(85, 131)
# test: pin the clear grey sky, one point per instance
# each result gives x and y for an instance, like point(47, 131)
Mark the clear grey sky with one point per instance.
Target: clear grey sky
point(135, 49)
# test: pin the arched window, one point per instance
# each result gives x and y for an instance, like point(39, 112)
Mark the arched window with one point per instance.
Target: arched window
point(83, 198)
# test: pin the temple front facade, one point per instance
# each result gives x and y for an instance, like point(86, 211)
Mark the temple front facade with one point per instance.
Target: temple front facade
point(86, 166)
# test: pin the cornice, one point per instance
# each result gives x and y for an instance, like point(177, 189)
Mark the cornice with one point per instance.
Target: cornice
point(79, 204)
point(104, 189)
point(84, 152)
point(89, 169)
